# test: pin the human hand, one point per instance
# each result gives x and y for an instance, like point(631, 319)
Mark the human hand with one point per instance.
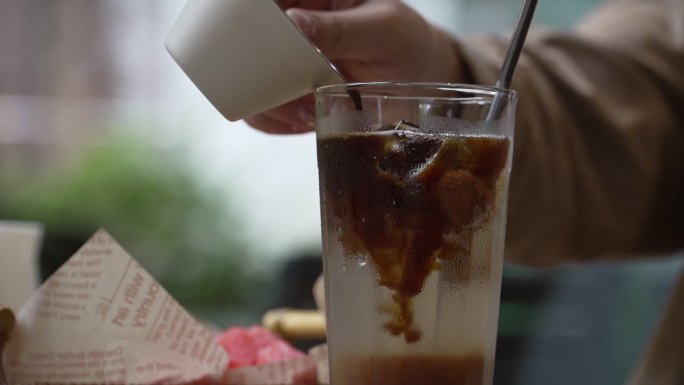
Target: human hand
point(367, 40)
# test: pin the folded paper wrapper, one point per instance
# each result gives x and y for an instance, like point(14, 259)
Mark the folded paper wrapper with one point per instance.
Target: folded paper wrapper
point(102, 319)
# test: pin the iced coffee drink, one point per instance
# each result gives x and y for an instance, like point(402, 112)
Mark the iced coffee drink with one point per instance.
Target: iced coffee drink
point(413, 217)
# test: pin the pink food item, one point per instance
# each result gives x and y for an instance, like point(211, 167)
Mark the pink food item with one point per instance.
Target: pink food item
point(255, 346)
point(238, 343)
point(277, 351)
point(262, 337)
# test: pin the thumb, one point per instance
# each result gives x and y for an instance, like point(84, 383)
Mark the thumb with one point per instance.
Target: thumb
point(345, 34)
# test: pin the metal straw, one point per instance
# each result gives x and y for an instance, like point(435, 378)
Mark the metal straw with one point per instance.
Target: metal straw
point(512, 56)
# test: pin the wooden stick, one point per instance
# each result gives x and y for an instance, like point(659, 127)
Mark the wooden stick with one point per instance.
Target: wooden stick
point(294, 324)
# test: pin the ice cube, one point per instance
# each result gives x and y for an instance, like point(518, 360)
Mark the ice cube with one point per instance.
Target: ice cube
point(407, 153)
point(405, 125)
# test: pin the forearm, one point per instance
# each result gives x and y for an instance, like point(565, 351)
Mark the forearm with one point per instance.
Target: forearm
point(598, 164)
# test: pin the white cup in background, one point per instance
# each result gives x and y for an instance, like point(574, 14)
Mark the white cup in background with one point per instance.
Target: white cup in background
point(246, 56)
point(20, 244)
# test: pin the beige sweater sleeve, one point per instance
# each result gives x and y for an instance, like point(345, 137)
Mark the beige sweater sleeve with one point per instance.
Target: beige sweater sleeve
point(598, 168)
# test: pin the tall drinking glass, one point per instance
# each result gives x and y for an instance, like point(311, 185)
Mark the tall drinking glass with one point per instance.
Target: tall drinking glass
point(413, 184)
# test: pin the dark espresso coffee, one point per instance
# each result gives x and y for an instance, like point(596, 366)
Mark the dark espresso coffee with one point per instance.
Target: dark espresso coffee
point(411, 202)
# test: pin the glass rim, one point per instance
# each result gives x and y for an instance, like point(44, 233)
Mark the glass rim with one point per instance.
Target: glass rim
point(472, 89)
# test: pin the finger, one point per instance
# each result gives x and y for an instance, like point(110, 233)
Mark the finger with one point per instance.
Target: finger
point(350, 33)
point(271, 125)
point(306, 4)
point(299, 113)
point(320, 5)
point(293, 117)
point(268, 125)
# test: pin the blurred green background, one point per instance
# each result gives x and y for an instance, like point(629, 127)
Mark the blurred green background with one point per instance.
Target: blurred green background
point(100, 128)
point(186, 234)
